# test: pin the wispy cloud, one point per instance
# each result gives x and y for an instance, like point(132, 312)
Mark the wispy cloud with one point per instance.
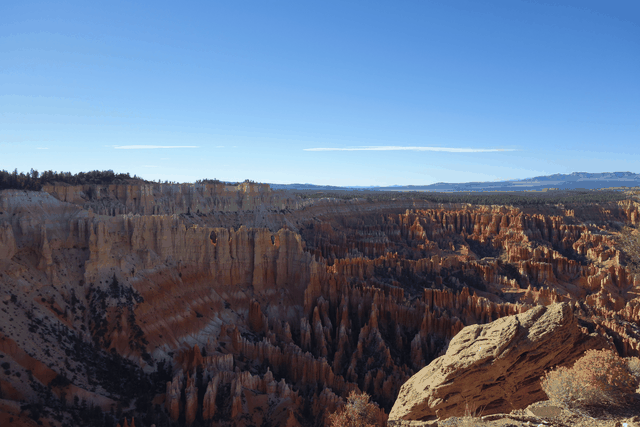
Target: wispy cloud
point(151, 147)
point(42, 148)
point(399, 148)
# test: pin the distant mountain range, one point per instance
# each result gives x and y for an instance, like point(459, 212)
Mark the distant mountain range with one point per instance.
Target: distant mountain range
point(574, 181)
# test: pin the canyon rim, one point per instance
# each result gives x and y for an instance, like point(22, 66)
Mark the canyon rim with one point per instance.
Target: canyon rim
point(233, 304)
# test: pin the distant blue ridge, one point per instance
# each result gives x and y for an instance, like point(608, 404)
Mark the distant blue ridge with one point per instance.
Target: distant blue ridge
point(573, 181)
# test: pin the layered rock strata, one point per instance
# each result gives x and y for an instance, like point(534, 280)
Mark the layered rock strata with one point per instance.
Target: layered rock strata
point(235, 325)
point(169, 199)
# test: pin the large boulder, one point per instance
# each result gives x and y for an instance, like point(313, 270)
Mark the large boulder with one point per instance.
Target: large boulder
point(495, 367)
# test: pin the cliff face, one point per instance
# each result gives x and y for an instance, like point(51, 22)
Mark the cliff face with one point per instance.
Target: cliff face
point(221, 323)
point(168, 199)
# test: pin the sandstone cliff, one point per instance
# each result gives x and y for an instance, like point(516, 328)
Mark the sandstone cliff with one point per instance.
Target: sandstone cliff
point(168, 199)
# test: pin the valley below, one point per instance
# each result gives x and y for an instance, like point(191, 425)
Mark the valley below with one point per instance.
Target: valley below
point(212, 304)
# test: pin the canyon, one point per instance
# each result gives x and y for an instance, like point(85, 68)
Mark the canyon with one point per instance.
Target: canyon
point(216, 305)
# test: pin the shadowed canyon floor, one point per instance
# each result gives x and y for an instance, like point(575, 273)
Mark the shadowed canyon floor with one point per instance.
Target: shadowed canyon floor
point(222, 305)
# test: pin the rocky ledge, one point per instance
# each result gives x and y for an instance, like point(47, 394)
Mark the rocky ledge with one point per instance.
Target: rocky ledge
point(495, 367)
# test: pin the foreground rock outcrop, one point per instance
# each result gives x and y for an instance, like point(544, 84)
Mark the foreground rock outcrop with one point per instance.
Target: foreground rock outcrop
point(497, 366)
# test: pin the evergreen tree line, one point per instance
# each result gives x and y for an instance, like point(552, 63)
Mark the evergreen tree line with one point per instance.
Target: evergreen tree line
point(217, 181)
point(34, 180)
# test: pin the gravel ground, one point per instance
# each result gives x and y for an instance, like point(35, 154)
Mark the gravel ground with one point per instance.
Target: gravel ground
point(544, 414)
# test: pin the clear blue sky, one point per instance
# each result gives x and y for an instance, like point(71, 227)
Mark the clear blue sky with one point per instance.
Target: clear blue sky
point(244, 89)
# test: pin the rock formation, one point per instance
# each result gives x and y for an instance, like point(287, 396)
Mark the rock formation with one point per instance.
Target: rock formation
point(496, 366)
point(267, 306)
point(168, 199)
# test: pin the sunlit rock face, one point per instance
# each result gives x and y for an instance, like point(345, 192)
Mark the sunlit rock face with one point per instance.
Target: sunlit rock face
point(500, 363)
point(240, 305)
point(161, 199)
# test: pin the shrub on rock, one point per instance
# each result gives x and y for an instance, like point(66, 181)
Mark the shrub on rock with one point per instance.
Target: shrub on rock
point(357, 412)
point(634, 366)
point(599, 378)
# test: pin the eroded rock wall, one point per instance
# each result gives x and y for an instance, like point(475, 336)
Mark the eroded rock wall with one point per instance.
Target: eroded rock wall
point(163, 199)
point(240, 324)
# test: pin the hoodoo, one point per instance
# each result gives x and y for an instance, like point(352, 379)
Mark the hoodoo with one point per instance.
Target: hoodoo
point(239, 305)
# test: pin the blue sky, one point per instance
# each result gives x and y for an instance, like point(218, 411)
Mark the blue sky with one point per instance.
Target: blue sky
point(324, 92)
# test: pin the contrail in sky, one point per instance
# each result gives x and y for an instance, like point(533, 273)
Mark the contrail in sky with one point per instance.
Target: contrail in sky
point(398, 148)
point(151, 147)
